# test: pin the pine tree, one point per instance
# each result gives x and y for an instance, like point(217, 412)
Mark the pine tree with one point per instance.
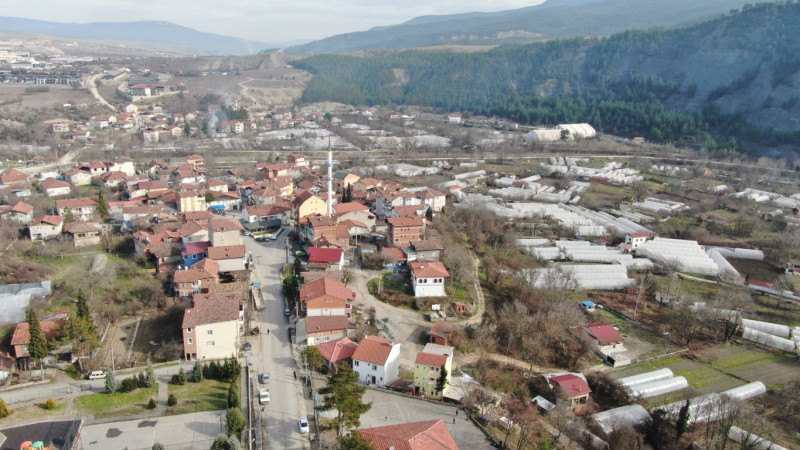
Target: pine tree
point(102, 206)
point(234, 398)
point(68, 216)
point(83, 307)
point(235, 422)
point(682, 425)
point(197, 372)
point(429, 213)
point(150, 375)
point(344, 393)
point(111, 382)
point(38, 347)
point(442, 382)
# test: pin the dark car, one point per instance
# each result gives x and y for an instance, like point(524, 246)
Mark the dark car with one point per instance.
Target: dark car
point(287, 312)
point(247, 347)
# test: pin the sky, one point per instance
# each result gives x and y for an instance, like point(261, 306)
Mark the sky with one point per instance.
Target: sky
point(269, 21)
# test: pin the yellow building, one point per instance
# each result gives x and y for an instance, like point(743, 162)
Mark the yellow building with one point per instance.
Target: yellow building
point(427, 370)
point(306, 204)
point(191, 201)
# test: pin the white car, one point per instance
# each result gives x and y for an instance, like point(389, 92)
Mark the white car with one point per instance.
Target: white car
point(263, 396)
point(303, 423)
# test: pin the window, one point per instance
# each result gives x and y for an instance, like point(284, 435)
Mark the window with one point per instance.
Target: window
point(355, 363)
point(374, 367)
point(189, 341)
point(210, 344)
point(210, 332)
point(188, 330)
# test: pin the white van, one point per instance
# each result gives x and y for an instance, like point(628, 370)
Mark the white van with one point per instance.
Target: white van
point(97, 375)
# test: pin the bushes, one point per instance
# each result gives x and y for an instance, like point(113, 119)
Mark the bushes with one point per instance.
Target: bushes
point(172, 400)
point(225, 371)
point(180, 378)
point(49, 404)
point(129, 384)
point(4, 411)
point(197, 372)
point(152, 403)
point(235, 422)
point(234, 397)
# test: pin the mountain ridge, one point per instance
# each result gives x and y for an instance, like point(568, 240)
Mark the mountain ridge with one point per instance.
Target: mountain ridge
point(152, 32)
point(549, 20)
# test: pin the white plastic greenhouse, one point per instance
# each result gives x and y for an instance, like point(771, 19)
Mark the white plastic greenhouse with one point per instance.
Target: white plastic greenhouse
point(658, 387)
point(647, 377)
point(585, 276)
point(769, 340)
point(740, 253)
point(768, 327)
point(753, 441)
point(725, 267)
point(746, 391)
point(624, 416)
point(688, 255)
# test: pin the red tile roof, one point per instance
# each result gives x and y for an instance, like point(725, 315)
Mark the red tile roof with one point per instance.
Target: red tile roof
point(225, 225)
point(212, 308)
point(52, 183)
point(343, 208)
point(604, 333)
point(320, 324)
point(83, 202)
point(374, 350)
point(227, 252)
point(425, 435)
point(22, 208)
point(405, 221)
point(326, 287)
point(571, 385)
point(430, 359)
point(325, 255)
point(50, 220)
point(428, 269)
point(337, 350)
point(393, 254)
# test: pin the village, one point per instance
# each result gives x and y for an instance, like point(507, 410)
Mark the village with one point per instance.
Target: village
point(488, 284)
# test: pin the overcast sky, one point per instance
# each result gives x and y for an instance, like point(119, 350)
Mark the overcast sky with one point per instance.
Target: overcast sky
point(271, 21)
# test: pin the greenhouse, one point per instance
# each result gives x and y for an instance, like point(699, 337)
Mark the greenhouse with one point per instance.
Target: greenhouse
point(688, 256)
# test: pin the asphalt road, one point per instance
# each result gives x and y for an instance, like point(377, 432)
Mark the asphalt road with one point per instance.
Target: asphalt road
point(272, 352)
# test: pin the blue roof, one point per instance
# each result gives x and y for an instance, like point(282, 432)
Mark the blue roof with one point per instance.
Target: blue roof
point(587, 303)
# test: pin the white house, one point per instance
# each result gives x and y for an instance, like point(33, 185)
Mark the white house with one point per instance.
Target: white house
point(377, 360)
point(211, 328)
point(636, 239)
point(53, 188)
point(45, 227)
point(428, 278)
point(78, 177)
point(229, 257)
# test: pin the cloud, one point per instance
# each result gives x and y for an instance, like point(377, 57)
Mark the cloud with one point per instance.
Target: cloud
point(272, 21)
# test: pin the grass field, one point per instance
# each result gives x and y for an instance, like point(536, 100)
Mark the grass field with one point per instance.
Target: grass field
point(36, 411)
point(208, 395)
point(117, 404)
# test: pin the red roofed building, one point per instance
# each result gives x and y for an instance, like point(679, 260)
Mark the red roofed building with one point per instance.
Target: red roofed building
point(52, 187)
point(229, 257)
point(377, 360)
point(45, 227)
point(636, 239)
point(82, 209)
point(13, 176)
point(20, 213)
point(428, 278)
point(405, 230)
point(573, 392)
point(606, 341)
point(325, 297)
point(212, 326)
point(195, 280)
point(318, 329)
point(325, 258)
point(428, 369)
point(339, 351)
point(425, 435)
point(22, 337)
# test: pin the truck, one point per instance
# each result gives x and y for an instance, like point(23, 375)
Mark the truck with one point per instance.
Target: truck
point(258, 297)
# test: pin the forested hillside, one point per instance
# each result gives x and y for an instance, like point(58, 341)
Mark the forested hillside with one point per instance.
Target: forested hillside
point(553, 19)
point(721, 83)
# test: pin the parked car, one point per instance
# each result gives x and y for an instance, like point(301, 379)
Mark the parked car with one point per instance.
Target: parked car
point(287, 312)
point(97, 375)
point(263, 396)
point(247, 347)
point(264, 378)
point(299, 253)
point(303, 424)
point(262, 238)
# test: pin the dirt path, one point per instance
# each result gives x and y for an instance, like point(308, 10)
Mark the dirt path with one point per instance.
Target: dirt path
point(480, 300)
point(96, 94)
point(471, 358)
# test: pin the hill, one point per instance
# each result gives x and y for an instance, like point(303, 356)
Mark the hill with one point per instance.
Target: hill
point(163, 34)
point(550, 20)
point(729, 83)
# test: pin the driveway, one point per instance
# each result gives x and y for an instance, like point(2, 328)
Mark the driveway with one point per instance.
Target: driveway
point(185, 431)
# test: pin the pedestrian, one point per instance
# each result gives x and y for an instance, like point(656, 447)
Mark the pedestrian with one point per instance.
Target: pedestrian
point(454, 420)
point(386, 418)
point(295, 375)
point(456, 413)
point(267, 331)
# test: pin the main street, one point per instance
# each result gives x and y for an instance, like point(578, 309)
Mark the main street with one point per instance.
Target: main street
point(272, 350)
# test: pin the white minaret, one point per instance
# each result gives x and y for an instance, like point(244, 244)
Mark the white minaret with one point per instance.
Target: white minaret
point(330, 179)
